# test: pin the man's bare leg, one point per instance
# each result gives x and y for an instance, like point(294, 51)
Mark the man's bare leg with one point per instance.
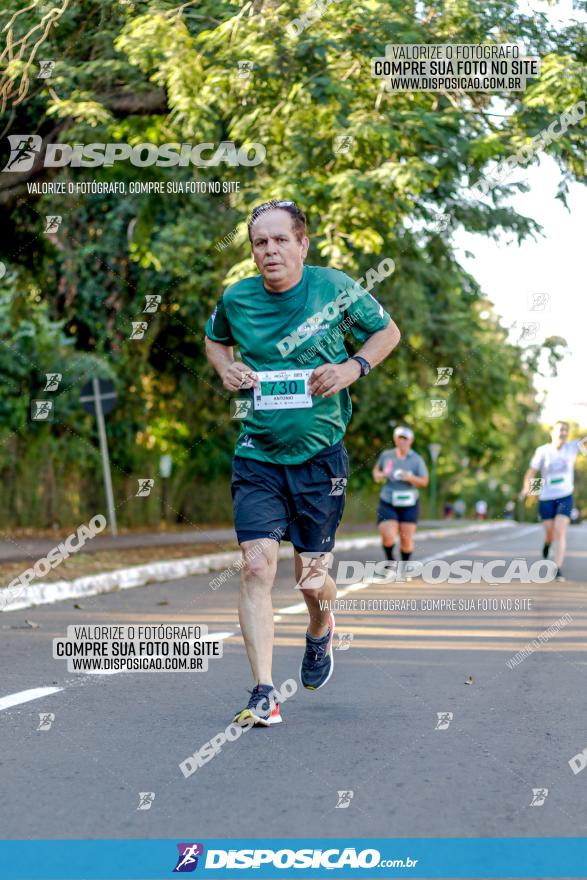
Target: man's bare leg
point(319, 617)
point(255, 611)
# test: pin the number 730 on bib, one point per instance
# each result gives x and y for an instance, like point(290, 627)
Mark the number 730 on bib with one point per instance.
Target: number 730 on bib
point(282, 389)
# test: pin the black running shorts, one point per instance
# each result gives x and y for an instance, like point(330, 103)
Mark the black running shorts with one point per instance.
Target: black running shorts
point(301, 503)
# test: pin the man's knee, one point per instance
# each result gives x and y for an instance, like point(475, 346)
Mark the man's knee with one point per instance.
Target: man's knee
point(257, 569)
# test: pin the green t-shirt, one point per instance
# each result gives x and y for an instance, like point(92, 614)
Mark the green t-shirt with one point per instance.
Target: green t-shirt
point(299, 328)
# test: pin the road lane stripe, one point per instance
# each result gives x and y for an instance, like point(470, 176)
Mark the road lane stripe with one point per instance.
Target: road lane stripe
point(25, 696)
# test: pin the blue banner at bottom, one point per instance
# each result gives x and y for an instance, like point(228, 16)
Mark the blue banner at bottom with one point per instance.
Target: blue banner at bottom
point(274, 859)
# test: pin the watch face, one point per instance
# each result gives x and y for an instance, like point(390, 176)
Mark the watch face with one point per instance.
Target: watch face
point(364, 365)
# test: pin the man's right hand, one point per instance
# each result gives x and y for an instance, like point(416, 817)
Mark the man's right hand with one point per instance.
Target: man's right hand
point(238, 377)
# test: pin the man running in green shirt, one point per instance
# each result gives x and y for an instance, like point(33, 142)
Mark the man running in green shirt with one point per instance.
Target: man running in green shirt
point(290, 467)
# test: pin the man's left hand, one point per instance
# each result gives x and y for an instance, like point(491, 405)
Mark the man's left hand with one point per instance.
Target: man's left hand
point(329, 379)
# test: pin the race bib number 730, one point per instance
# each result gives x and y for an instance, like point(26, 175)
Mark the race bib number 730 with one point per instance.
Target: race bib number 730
point(282, 389)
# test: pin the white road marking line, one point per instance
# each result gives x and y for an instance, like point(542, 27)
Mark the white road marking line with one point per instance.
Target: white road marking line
point(26, 696)
point(217, 637)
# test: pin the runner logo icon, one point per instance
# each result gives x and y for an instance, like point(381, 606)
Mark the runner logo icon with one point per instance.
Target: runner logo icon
point(23, 150)
point(344, 799)
point(444, 719)
point(539, 795)
point(338, 485)
point(314, 571)
point(187, 859)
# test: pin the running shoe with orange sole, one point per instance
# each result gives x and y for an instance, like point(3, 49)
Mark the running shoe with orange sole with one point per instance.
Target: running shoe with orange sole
point(318, 660)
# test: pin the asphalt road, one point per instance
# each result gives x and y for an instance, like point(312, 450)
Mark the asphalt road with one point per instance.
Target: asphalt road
point(371, 731)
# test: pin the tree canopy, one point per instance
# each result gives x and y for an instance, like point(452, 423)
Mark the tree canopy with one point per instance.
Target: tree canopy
point(155, 72)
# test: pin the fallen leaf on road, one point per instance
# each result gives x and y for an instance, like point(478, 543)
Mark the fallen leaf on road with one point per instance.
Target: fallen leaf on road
point(469, 679)
point(32, 624)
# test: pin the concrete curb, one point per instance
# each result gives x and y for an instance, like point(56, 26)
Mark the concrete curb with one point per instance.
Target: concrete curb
point(17, 598)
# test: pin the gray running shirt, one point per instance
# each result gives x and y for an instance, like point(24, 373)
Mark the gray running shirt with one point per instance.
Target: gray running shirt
point(412, 462)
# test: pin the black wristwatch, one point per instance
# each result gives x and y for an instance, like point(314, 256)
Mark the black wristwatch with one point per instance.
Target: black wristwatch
point(364, 365)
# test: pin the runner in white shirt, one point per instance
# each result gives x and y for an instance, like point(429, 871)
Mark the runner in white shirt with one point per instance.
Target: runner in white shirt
point(556, 463)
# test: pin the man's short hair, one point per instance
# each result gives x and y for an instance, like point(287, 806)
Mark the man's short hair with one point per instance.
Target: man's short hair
point(297, 215)
point(561, 422)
